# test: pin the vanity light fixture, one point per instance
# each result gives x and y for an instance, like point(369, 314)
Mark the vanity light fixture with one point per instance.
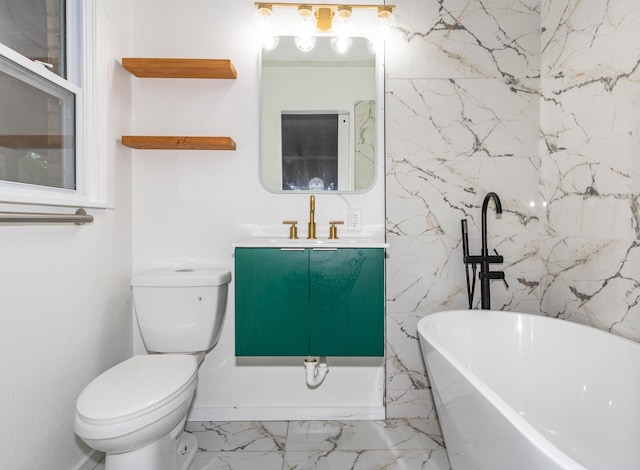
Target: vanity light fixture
point(328, 19)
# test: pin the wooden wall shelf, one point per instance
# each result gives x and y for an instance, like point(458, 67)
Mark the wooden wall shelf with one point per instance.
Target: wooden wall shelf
point(180, 68)
point(149, 142)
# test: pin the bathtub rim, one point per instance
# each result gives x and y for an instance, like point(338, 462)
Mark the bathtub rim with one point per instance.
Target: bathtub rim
point(521, 424)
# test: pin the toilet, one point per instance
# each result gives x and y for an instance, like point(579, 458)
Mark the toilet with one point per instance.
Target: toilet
point(135, 412)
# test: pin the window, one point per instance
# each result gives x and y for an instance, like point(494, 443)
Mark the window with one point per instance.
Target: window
point(44, 59)
point(313, 145)
point(36, 30)
point(37, 129)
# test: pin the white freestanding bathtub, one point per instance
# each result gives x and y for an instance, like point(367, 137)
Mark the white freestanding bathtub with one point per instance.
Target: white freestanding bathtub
point(515, 392)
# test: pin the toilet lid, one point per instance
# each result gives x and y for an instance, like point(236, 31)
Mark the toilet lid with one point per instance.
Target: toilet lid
point(135, 385)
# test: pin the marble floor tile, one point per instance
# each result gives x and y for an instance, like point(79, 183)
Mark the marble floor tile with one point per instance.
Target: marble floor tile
point(394, 434)
point(266, 436)
point(392, 444)
point(367, 460)
point(300, 445)
point(238, 461)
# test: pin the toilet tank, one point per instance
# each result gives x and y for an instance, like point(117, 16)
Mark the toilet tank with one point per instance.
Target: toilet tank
point(180, 310)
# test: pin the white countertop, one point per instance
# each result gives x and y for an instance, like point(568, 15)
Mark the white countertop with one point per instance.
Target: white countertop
point(279, 242)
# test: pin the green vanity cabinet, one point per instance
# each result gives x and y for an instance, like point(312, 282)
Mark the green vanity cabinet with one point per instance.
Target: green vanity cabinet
point(309, 301)
point(272, 292)
point(346, 302)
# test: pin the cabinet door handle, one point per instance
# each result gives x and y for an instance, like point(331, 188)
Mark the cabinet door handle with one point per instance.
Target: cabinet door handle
point(324, 249)
point(291, 249)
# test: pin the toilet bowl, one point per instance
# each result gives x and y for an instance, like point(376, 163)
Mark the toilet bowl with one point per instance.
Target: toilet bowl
point(136, 403)
point(135, 412)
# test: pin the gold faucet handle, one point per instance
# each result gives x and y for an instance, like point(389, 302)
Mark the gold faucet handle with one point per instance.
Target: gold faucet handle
point(333, 230)
point(293, 230)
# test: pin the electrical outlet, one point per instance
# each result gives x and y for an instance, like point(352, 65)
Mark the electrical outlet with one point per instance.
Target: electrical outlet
point(355, 220)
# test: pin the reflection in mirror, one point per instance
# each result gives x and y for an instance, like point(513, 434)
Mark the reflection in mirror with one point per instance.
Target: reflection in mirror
point(318, 118)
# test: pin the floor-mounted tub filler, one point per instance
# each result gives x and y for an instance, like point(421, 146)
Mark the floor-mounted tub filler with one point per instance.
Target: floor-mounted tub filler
point(519, 391)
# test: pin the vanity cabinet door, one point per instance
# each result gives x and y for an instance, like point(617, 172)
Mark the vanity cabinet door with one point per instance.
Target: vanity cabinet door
point(346, 302)
point(272, 302)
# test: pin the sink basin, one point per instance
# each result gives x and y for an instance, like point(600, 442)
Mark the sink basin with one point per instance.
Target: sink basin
point(277, 242)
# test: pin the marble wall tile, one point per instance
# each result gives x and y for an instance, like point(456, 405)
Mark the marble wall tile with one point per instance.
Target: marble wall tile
point(592, 191)
point(461, 118)
point(590, 96)
point(424, 275)
point(578, 38)
point(463, 38)
point(572, 116)
point(405, 367)
point(592, 281)
point(522, 268)
point(411, 404)
point(429, 196)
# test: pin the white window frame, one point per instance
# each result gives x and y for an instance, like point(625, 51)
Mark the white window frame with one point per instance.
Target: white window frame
point(86, 79)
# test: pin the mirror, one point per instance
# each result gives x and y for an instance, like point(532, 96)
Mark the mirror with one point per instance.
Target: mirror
point(318, 118)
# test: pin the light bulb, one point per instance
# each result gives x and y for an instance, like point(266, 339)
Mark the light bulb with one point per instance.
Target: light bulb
point(385, 22)
point(305, 40)
point(341, 44)
point(270, 42)
point(264, 27)
point(305, 43)
point(341, 41)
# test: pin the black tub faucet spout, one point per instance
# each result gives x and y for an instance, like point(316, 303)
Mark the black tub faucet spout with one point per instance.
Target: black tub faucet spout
point(485, 269)
point(485, 206)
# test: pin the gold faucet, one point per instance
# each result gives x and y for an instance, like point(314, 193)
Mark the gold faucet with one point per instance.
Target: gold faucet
point(312, 223)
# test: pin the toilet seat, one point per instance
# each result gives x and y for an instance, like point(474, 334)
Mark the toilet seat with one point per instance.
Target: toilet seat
point(136, 387)
point(136, 402)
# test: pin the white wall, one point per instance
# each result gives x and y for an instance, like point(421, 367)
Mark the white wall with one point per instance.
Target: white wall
point(192, 205)
point(65, 307)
